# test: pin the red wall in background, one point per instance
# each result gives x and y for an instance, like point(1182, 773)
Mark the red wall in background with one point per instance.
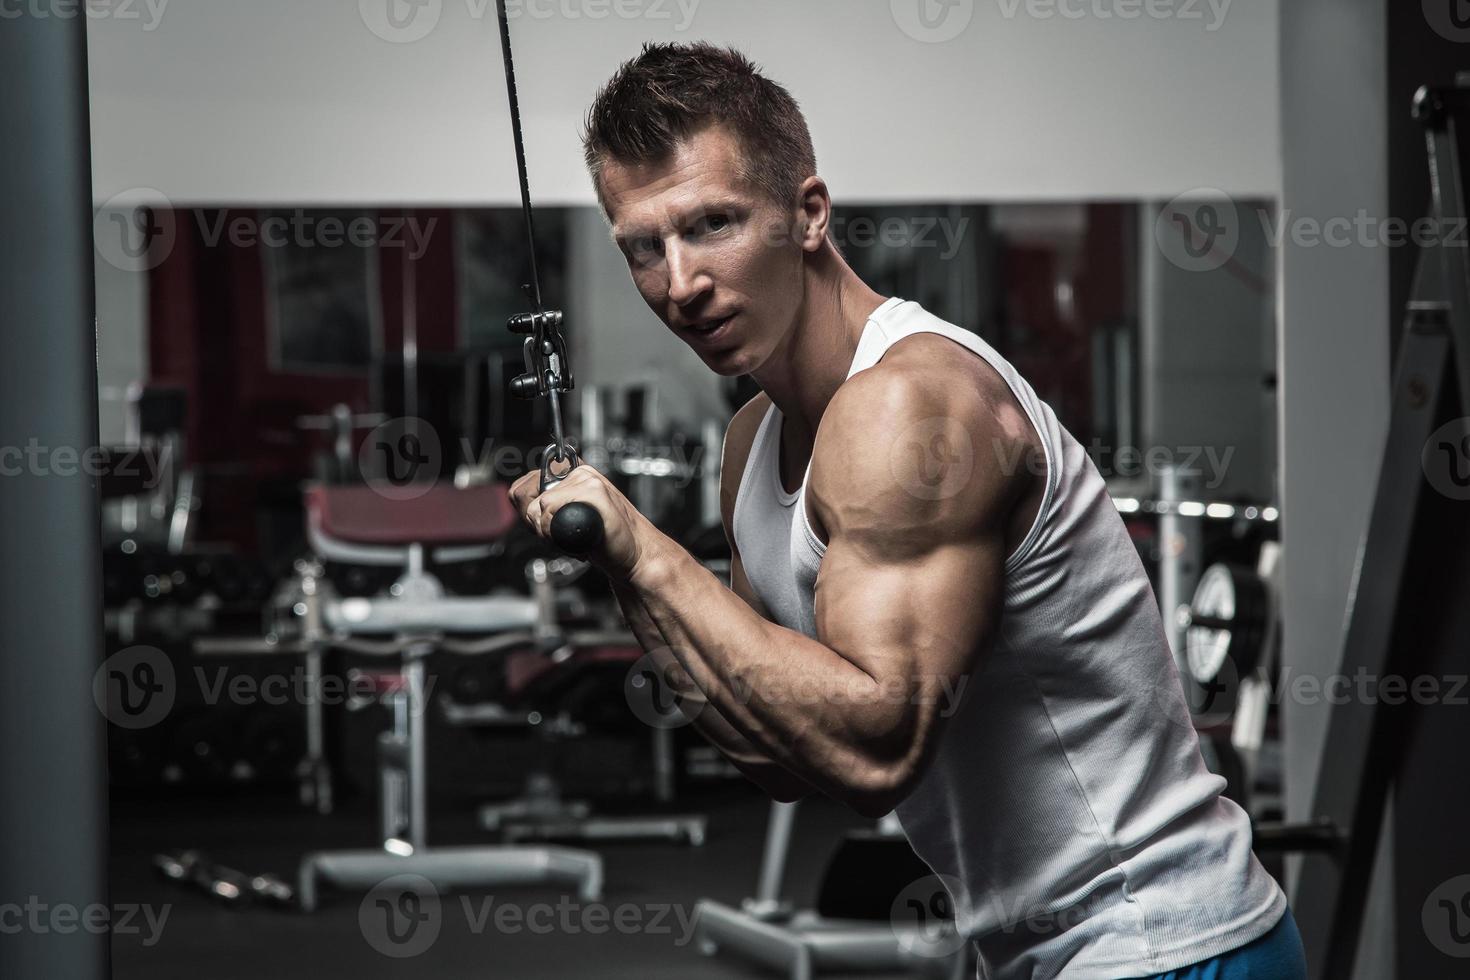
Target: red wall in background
point(1051, 349)
point(209, 334)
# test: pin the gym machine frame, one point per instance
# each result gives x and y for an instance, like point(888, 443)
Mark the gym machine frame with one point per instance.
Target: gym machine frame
point(1366, 741)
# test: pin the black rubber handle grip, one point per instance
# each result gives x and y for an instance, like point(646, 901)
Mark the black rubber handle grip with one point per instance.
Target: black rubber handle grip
point(577, 529)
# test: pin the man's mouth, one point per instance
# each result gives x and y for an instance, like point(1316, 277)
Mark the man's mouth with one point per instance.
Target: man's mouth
point(709, 328)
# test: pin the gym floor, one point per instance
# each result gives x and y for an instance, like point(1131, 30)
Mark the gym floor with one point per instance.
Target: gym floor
point(202, 938)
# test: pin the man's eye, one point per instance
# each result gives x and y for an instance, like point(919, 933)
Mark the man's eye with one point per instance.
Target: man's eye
point(712, 223)
point(646, 248)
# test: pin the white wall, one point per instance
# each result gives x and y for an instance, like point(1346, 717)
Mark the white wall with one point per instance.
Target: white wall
point(1208, 343)
point(284, 102)
point(122, 344)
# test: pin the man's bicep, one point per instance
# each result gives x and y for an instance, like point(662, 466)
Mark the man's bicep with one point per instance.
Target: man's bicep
point(915, 519)
point(914, 622)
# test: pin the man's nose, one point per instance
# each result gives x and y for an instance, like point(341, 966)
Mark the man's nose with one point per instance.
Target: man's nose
point(688, 279)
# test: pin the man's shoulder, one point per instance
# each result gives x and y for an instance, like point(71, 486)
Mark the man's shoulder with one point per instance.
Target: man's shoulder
point(938, 364)
point(932, 420)
point(739, 437)
point(740, 433)
point(748, 418)
point(922, 378)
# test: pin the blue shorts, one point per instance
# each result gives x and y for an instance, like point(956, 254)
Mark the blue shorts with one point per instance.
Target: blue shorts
point(1277, 955)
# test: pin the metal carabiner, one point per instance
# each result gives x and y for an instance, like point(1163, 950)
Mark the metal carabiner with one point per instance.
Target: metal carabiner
point(557, 452)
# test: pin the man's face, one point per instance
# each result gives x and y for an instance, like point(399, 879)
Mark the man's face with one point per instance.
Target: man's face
point(713, 257)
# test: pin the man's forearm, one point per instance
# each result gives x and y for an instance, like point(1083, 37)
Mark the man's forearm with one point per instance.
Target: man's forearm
point(795, 700)
point(775, 779)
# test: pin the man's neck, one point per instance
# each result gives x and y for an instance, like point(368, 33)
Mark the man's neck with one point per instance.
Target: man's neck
point(803, 375)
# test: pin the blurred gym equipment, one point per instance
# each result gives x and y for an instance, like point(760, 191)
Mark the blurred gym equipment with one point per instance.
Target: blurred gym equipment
point(360, 526)
point(153, 509)
point(625, 437)
point(851, 930)
point(157, 580)
point(414, 617)
point(558, 692)
point(340, 464)
point(227, 885)
point(1233, 631)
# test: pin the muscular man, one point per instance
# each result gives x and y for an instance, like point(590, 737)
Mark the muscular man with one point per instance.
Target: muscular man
point(934, 608)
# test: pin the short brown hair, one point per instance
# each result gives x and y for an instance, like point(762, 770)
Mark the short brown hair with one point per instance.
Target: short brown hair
point(671, 91)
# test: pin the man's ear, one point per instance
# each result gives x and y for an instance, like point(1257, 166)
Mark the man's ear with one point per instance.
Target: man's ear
point(814, 214)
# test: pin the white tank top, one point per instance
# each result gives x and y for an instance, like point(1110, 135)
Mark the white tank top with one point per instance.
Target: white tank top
point(1067, 807)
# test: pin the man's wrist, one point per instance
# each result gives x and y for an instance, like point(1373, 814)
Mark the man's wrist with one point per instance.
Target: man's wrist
point(657, 559)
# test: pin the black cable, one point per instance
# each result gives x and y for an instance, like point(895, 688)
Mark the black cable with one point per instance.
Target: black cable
point(515, 125)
